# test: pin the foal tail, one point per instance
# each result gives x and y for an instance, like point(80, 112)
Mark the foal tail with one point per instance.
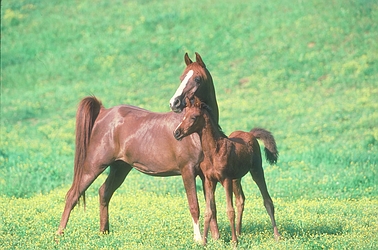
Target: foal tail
point(86, 114)
point(271, 152)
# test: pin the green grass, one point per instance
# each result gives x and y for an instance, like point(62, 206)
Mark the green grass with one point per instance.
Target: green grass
point(305, 70)
point(145, 220)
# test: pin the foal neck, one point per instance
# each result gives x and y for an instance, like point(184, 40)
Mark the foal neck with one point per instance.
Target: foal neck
point(211, 134)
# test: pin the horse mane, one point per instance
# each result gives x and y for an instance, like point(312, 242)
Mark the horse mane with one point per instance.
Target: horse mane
point(199, 65)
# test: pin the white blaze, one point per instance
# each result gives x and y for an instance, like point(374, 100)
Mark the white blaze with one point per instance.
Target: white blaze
point(179, 124)
point(182, 86)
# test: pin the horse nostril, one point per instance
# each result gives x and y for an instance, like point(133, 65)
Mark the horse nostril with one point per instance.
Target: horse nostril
point(176, 103)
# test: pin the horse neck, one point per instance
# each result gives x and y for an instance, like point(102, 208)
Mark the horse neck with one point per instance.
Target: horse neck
point(210, 136)
point(210, 98)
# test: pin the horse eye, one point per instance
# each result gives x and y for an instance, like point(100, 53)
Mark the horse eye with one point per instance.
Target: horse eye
point(197, 79)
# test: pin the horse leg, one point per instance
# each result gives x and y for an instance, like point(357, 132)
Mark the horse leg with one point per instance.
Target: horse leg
point(213, 222)
point(188, 177)
point(239, 198)
point(210, 212)
point(258, 176)
point(227, 184)
point(89, 174)
point(118, 172)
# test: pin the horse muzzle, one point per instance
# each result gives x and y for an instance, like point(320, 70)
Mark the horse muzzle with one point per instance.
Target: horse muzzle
point(177, 105)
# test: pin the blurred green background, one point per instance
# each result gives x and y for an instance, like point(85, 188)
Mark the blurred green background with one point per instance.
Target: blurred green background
point(305, 70)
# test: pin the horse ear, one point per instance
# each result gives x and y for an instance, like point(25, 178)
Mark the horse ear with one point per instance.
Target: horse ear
point(199, 60)
point(187, 59)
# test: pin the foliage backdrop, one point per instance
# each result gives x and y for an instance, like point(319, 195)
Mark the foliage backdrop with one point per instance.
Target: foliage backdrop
point(305, 70)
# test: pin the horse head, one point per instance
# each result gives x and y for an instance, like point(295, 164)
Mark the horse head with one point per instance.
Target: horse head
point(195, 81)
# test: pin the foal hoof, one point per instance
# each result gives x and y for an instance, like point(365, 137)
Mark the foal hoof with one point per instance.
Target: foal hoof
point(105, 232)
point(57, 237)
point(277, 237)
point(234, 244)
point(59, 232)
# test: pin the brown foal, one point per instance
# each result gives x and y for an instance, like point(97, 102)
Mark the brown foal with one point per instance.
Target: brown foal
point(227, 159)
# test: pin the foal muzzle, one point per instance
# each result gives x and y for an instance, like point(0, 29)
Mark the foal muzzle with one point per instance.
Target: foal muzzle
point(178, 135)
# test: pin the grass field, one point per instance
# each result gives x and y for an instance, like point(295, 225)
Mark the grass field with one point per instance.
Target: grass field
point(305, 70)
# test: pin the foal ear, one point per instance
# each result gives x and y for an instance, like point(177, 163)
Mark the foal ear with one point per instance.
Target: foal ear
point(187, 59)
point(197, 102)
point(199, 60)
point(188, 102)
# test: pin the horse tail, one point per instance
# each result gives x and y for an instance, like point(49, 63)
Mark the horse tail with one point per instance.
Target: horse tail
point(86, 115)
point(271, 152)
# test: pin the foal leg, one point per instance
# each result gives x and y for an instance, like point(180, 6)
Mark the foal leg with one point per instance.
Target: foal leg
point(239, 200)
point(213, 222)
point(227, 184)
point(258, 176)
point(89, 174)
point(118, 172)
point(210, 211)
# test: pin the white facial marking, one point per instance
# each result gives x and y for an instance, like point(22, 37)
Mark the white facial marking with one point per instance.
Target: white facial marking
point(197, 232)
point(179, 125)
point(182, 86)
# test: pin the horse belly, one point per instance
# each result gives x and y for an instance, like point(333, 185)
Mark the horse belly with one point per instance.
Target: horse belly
point(155, 170)
point(161, 157)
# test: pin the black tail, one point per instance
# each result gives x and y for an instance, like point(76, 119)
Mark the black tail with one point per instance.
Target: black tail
point(271, 152)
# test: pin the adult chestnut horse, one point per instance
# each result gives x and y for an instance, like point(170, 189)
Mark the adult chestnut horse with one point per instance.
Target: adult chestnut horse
point(126, 137)
point(227, 158)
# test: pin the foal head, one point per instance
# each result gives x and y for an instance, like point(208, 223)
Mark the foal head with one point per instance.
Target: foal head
point(195, 81)
point(193, 120)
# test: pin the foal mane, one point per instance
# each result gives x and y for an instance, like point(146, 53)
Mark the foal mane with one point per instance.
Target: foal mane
point(212, 119)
